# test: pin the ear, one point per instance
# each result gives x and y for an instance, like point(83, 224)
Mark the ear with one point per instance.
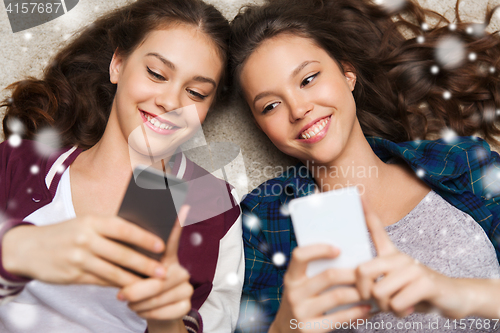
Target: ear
point(115, 67)
point(350, 75)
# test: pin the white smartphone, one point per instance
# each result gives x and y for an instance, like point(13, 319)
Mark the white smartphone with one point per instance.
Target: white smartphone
point(336, 218)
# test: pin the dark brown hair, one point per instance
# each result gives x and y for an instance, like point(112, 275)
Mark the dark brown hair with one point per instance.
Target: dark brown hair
point(75, 94)
point(397, 96)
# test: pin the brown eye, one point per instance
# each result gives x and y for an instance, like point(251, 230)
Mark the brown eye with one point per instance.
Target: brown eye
point(308, 80)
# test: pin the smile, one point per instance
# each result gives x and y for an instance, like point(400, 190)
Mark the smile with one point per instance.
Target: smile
point(157, 124)
point(316, 128)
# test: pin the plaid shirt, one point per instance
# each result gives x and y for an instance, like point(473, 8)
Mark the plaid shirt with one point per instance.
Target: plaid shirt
point(466, 173)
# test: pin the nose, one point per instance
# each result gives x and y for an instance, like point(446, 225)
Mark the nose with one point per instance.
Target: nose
point(169, 99)
point(299, 107)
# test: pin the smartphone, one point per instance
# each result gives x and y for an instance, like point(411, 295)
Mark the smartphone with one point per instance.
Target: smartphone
point(336, 218)
point(152, 201)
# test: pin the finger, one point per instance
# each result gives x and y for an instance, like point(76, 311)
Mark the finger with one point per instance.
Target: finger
point(105, 271)
point(385, 289)
point(381, 240)
point(368, 272)
point(409, 297)
point(330, 299)
point(126, 257)
point(175, 234)
point(180, 292)
point(344, 316)
point(330, 277)
point(168, 312)
point(301, 256)
point(122, 230)
point(147, 288)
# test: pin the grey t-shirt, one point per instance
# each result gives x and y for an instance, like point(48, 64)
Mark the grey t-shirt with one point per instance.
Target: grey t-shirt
point(450, 242)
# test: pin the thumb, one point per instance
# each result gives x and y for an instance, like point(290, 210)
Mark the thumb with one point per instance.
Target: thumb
point(381, 240)
point(175, 235)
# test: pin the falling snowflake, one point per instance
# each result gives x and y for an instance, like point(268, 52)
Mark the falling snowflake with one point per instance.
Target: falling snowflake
point(449, 135)
point(450, 52)
point(444, 232)
point(476, 29)
point(403, 240)
point(490, 181)
point(434, 69)
point(420, 39)
point(34, 169)
point(492, 69)
point(28, 35)
point(196, 238)
point(232, 279)
point(29, 190)
point(279, 259)
point(47, 141)
point(61, 169)
point(472, 56)
point(420, 173)
point(425, 26)
point(391, 5)
point(420, 232)
point(477, 237)
point(452, 26)
point(284, 210)
point(447, 95)
point(251, 221)
point(14, 140)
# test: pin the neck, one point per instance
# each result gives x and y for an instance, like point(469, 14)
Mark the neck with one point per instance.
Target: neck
point(357, 165)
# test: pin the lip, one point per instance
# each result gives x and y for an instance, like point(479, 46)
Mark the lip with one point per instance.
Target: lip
point(156, 129)
point(321, 134)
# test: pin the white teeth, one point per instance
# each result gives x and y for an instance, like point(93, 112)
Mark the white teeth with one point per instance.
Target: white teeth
point(157, 123)
point(320, 125)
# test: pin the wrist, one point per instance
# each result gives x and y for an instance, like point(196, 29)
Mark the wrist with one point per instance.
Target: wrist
point(170, 326)
point(13, 246)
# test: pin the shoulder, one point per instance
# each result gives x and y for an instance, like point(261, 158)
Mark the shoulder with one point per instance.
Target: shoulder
point(294, 182)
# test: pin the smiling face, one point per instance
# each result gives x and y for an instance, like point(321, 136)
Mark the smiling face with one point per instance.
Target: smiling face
point(164, 89)
point(300, 98)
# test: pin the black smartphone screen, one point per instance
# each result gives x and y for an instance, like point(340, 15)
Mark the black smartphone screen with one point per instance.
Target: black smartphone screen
point(150, 202)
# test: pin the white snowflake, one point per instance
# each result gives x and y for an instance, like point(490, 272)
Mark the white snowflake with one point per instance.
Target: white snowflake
point(279, 259)
point(447, 95)
point(391, 5)
point(14, 140)
point(251, 222)
point(472, 56)
point(434, 69)
point(444, 232)
point(28, 35)
point(34, 169)
point(425, 26)
point(492, 69)
point(450, 52)
point(469, 30)
point(47, 141)
point(420, 232)
point(452, 26)
point(420, 39)
point(420, 173)
point(448, 135)
point(196, 238)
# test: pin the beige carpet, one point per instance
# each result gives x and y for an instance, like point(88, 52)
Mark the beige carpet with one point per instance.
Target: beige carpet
point(26, 53)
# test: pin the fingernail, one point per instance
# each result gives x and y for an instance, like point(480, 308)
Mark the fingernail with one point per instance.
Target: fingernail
point(158, 246)
point(160, 271)
point(120, 296)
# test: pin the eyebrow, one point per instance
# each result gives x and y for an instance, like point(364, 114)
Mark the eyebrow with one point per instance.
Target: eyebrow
point(294, 73)
point(171, 65)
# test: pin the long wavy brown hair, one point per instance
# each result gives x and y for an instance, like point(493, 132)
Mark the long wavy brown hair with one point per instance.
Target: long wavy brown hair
point(75, 94)
point(402, 91)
